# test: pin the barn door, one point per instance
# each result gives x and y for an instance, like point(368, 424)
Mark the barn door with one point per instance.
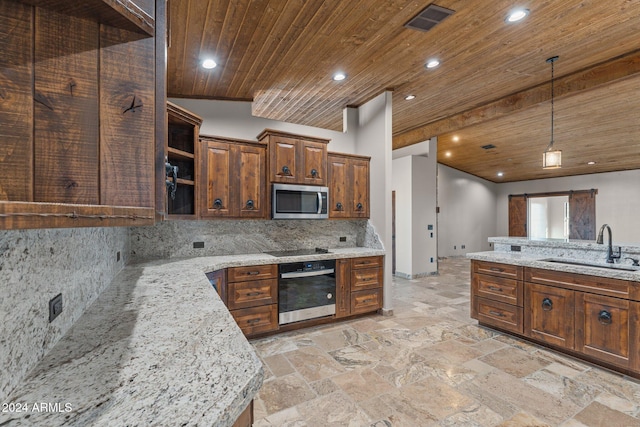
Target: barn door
point(518, 216)
point(582, 215)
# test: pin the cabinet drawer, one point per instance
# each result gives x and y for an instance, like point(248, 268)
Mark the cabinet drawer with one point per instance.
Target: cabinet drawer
point(366, 278)
point(499, 314)
point(252, 293)
point(500, 289)
point(252, 272)
point(495, 269)
point(366, 262)
point(580, 282)
point(257, 319)
point(550, 315)
point(366, 301)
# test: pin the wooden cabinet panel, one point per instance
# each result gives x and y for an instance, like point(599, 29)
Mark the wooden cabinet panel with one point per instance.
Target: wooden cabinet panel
point(518, 216)
point(252, 272)
point(252, 182)
point(496, 269)
point(256, 320)
point(366, 301)
point(603, 328)
point(338, 187)
point(367, 262)
point(246, 417)
point(219, 282)
point(580, 282)
point(508, 291)
point(366, 278)
point(360, 193)
point(343, 288)
point(16, 108)
point(498, 314)
point(217, 189)
point(66, 151)
point(283, 160)
point(314, 161)
point(549, 315)
point(127, 115)
point(252, 293)
point(348, 185)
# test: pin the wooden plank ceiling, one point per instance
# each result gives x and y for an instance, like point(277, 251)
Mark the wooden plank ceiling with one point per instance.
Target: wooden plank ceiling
point(492, 86)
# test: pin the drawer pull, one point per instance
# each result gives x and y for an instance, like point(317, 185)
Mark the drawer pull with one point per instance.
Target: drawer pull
point(253, 294)
point(547, 304)
point(364, 301)
point(256, 320)
point(252, 273)
point(496, 313)
point(495, 288)
point(604, 317)
point(498, 269)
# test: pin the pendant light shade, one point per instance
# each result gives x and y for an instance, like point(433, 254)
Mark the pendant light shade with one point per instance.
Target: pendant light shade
point(551, 159)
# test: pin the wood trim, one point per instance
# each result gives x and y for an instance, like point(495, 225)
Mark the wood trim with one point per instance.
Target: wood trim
point(555, 193)
point(583, 80)
point(184, 115)
point(352, 156)
point(273, 132)
point(231, 140)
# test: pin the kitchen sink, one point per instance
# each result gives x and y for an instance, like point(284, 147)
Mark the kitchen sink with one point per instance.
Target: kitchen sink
point(593, 264)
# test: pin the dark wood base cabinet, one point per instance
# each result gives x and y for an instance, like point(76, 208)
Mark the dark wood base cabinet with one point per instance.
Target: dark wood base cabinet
point(593, 318)
point(251, 294)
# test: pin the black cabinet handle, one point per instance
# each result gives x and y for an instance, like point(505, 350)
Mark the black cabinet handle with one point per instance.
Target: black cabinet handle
point(252, 273)
point(495, 288)
point(604, 317)
point(217, 204)
point(547, 304)
point(253, 294)
point(286, 170)
point(496, 313)
point(314, 173)
point(250, 204)
point(499, 270)
point(250, 321)
point(339, 206)
point(359, 206)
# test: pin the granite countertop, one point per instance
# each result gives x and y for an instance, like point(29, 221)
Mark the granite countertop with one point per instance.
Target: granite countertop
point(564, 244)
point(158, 347)
point(537, 261)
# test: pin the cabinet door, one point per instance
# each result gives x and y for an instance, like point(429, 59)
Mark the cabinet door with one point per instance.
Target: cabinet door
point(251, 188)
point(338, 189)
point(549, 315)
point(360, 191)
point(603, 328)
point(217, 191)
point(283, 159)
point(314, 163)
point(343, 288)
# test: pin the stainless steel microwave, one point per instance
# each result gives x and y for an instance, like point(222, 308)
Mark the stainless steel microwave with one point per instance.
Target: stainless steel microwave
point(299, 202)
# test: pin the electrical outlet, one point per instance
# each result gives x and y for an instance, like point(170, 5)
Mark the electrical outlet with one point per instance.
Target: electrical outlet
point(431, 259)
point(118, 256)
point(343, 238)
point(454, 248)
point(198, 245)
point(462, 246)
point(55, 307)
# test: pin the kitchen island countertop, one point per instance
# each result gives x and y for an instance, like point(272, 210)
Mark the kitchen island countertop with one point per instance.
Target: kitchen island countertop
point(157, 347)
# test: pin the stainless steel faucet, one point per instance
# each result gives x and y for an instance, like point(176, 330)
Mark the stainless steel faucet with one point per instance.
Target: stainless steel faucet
point(610, 256)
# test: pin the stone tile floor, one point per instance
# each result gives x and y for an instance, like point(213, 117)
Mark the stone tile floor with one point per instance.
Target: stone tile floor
point(431, 365)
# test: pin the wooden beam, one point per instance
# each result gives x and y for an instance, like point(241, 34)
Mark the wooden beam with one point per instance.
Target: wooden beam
point(571, 84)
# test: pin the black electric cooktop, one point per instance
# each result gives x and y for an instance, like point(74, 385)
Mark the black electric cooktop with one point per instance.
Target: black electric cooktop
point(298, 252)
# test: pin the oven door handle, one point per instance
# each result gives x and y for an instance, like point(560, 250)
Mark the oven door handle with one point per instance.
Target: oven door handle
point(319, 203)
point(307, 273)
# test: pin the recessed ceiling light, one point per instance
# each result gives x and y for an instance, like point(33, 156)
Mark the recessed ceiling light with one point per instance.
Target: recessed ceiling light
point(209, 64)
point(456, 139)
point(432, 63)
point(410, 97)
point(500, 174)
point(339, 76)
point(448, 154)
point(516, 15)
point(591, 163)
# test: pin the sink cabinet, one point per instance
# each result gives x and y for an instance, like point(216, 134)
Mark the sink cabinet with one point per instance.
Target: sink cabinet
point(596, 318)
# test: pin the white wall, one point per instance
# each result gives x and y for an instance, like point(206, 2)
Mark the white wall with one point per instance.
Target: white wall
point(401, 184)
point(467, 212)
point(617, 202)
point(424, 195)
point(373, 138)
point(233, 119)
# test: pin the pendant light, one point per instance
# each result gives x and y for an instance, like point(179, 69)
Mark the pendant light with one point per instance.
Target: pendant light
point(551, 159)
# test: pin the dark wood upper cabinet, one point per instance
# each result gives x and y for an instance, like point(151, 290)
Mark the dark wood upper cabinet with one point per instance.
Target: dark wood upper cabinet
point(348, 185)
point(233, 181)
point(78, 113)
point(296, 159)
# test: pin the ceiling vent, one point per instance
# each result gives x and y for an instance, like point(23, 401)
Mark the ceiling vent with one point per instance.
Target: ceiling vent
point(488, 147)
point(431, 16)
